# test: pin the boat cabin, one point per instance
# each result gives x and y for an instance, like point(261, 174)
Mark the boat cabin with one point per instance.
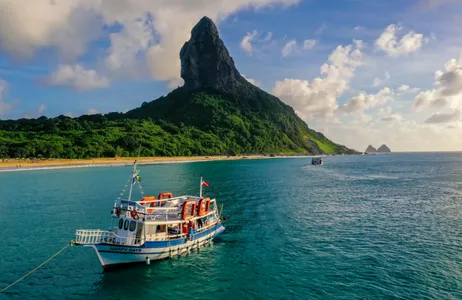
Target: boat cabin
point(151, 219)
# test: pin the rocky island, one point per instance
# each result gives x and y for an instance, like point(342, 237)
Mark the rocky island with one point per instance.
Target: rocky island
point(382, 149)
point(370, 150)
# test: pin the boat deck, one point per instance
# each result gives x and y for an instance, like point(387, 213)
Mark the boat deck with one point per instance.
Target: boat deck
point(164, 211)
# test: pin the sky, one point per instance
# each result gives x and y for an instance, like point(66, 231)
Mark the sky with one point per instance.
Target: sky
point(360, 71)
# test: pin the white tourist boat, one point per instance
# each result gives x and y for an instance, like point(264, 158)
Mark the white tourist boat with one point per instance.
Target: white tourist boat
point(153, 228)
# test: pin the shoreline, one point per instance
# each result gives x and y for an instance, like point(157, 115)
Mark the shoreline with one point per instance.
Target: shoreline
point(50, 164)
point(16, 165)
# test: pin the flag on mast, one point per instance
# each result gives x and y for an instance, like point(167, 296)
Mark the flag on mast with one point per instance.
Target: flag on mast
point(136, 177)
point(203, 183)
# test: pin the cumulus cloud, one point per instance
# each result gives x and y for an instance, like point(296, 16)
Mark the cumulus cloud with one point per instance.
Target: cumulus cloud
point(36, 113)
point(321, 29)
point(153, 29)
point(450, 117)
point(448, 91)
point(251, 80)
point(390, 43)
point(42, 108)
point(318, 99)
point(127, 47)
point(173, 21)
point(92, 111)
point(26, 26)
point(404, 135)
point(76, 76)
point(309, 44)
point(268, 37)
point(174, 83)
point(384, 111)
point(450, 82)
point(405, 89)
point(364, 101)
point(254, 42)
point(379, 81)
point(5, 107)
point(391, 118)
point(246, 43)
point(428, 99)
point(289, 48)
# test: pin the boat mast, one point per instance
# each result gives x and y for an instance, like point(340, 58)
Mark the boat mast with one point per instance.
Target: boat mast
point(134, 173)
point(200, 189)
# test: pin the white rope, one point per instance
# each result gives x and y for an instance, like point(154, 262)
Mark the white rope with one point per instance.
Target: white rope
point(141, 189)
point(41, 265)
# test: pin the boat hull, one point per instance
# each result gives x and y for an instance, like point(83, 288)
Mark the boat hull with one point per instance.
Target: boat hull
point(112, 256)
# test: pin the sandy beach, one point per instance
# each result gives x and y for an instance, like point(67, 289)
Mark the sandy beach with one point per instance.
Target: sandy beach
point(25, 164)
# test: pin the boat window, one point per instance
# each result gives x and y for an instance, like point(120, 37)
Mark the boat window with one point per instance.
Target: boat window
point(126, 224)
point(121, 223)
point(173, 229)
point(161, 228)
point(132, 225)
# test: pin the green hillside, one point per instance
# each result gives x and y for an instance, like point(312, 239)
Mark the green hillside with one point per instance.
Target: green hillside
point(250, 122)
point(180, 124)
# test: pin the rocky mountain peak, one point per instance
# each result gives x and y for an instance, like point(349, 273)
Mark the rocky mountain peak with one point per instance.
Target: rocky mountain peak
point(370, 149)
point(384, 149)
point(205, 61)
point(205, 27)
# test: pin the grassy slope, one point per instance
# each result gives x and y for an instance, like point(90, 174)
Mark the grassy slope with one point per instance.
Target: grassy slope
point(206, 122)
point(254, 112)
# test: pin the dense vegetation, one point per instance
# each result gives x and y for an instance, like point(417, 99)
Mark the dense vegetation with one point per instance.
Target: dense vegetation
point(207, 122)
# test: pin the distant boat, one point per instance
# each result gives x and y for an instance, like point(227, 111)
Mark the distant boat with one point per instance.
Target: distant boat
point(317, 161)
point(152, 229)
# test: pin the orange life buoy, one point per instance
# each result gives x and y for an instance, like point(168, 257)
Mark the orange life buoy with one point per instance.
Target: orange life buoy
point(150, 210)
point(134, 214)
point(189, 209)
point(203, 207)
point(147, 200)
point(165, 195)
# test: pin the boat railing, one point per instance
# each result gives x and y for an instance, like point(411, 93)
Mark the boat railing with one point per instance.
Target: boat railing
point(150, 206)
point(156, 202)
point(96, 236)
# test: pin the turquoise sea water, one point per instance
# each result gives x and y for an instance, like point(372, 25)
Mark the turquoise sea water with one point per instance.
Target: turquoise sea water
point(359, 227)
